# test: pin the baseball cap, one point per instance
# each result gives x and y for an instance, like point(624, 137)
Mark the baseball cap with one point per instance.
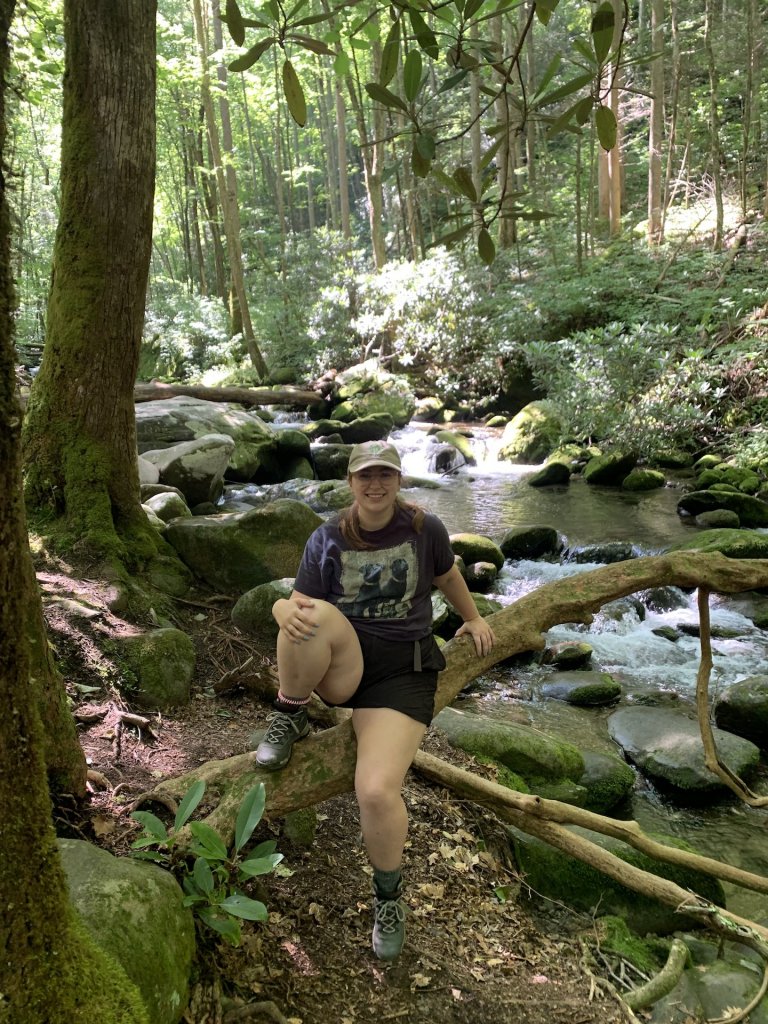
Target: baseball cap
point(373, 453)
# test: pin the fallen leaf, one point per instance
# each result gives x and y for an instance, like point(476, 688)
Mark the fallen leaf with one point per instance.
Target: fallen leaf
point(103, 826)
point(420, 981)
point(456, 993)
point(435, 891)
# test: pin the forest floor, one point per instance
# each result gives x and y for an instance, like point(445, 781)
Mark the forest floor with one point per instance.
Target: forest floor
point(480, 947)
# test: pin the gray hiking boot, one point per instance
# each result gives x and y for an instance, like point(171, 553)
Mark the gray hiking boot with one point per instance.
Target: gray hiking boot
point(388, 927)
point(274, 751)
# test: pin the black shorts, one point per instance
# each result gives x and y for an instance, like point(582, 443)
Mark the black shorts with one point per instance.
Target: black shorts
point(399, 675)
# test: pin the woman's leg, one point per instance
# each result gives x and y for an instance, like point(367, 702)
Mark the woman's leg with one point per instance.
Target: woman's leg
point(387, 742)
point(329, 661)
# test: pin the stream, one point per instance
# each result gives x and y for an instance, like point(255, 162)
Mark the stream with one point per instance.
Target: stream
point(492, 497)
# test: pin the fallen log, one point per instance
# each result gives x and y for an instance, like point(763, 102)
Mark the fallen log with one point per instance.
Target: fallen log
point(154, 392)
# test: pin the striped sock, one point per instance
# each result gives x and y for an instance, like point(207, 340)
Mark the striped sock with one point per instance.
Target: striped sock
point(286, 703)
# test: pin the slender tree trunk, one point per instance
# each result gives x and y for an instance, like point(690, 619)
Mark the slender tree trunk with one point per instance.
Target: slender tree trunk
point(750, 92)
point(504, 158)
point(657, 124)
point(373, 161)
point(476, 140)
point(228, 202)
point(325, 91)
point(714, 126)
point(80, 432)
point(674, 110)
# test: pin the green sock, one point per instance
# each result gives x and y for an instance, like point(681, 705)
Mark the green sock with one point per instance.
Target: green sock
point(387, 883)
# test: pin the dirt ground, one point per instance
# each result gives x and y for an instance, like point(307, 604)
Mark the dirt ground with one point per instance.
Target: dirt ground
point(480, 947)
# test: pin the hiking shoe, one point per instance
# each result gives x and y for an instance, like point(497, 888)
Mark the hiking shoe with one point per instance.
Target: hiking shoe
point(274, 751)
point(388, 927)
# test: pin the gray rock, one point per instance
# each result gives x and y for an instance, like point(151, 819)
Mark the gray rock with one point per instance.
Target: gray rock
point(367, 388)
point(368, 428)
point(530, 542)
point(552, 473)
point(148, 472)
point(134, 912)
point(532, 434)
point(605, 554)
point(252, 614)
point(752, 512)
point(710, 994)
point(481, 576)
point(331, 460)
point(196, 467)
point(667, 746)
point(584, 689)
point(718, 518)
point(569, 654)
point(444, 458)
point(184, 419)
point(237, 552)
point(607, 779)
point(162, 663)
point(167, 506)
point(474, 547)
point(743, 709)
point(459, 442)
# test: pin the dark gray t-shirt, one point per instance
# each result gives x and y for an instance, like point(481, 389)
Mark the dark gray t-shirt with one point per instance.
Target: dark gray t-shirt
point(385, 591)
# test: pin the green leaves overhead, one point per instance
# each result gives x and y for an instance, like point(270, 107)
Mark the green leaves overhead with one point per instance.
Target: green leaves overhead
point(425, 37)
point(412, 75)
point(294, 94)
point(391, 55)
point(545, 9)
point(249, 58)
point(605, 123)
point(486, 250)
point(603, 24)
point(463, 179)
point(235, 22)
point(385, 97)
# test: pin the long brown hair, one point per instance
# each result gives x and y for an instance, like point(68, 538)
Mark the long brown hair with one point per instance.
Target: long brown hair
point(349, 522)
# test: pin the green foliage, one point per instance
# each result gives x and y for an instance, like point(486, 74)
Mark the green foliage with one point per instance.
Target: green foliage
point(185, 335)
point(211, 880)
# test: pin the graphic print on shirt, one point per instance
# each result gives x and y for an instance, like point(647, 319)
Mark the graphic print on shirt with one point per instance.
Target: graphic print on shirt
point(378, 584)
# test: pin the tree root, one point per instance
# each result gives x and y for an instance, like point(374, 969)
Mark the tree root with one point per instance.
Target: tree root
point(751, 1005)
point(663, 983)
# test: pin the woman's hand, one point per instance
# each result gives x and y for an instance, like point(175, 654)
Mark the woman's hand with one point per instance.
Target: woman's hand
point(295, 619)
point(481, 633)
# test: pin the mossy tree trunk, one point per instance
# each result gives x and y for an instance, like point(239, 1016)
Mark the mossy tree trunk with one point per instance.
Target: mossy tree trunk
point(50, 971)
point(80, 433)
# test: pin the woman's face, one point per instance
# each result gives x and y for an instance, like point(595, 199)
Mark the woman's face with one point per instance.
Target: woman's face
point(375, 490)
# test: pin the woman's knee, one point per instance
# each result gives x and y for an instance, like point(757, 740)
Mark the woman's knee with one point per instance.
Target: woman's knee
point(377, 795)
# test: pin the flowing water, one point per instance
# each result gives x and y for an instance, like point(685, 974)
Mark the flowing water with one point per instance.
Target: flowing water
point(492, 497)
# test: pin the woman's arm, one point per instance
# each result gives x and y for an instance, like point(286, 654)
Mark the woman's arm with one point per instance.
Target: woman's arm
point(453, 586)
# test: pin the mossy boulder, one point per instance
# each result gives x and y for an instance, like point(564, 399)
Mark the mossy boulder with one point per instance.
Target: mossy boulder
point(429, 409)
point(673, 459)
point(718, 519)
point(570, 654)
point(237, 552)
point(603, 554)
point(752, 512)
point(161, 664)
point(610, 469)
point(134, 912)
point(743, 480)
point(373, 427)
point(733, 543)
point(742, 708)
point(530, 542)
point(667, 746)
point(474, 547)
point(292, 443)
point(366, 388)
point(331, 461)
point(557, 876)
point(643, 480)
point(706, 462)
point(252, 613)
point(169, 575)
point(584, 689)
point(459, 442)
point(531, 754)
point(551, 474)
point(607, 779)
point(322, 428)
point(532, 434)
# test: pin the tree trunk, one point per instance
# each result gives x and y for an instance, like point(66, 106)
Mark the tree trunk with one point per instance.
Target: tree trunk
point(80, 432)
point(373, 161)
point(714, 127)
point(228, 201)
point(674, 111)
point(50, 971)
point(341, 159)
point(657, 124)
point(245, 396)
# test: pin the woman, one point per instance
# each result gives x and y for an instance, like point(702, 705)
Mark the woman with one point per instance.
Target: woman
point(357, 630)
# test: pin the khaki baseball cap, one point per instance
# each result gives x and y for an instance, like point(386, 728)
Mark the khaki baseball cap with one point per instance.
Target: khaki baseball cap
point(373, 453)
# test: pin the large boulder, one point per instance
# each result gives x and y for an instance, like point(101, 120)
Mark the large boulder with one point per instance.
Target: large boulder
point(610, 469)
point(527, 752)
point(732, 543)
point(744, 480)
point(134, 912)
point(752, 512)
point(530, 542)
point(373, 427)
point(742, 708)
point(557, 876)
point(643, 480)
point(366, 388)
point(552, 473)
point(532, 434)
point(443, 458)
point(168, 505)
point(603, 554)
point(252, 613)
point(585, 689)
point(607, 779)
point(161, 664)
point(667, 746)
point(237, 552)
point(460, 442)
point(196, 467)
point(159, 424)
point(473, 547)
point(331, 460)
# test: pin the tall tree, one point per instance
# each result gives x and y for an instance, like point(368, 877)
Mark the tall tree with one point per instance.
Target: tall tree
point(657, 124)
point(50, 971)
point(80, 432)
